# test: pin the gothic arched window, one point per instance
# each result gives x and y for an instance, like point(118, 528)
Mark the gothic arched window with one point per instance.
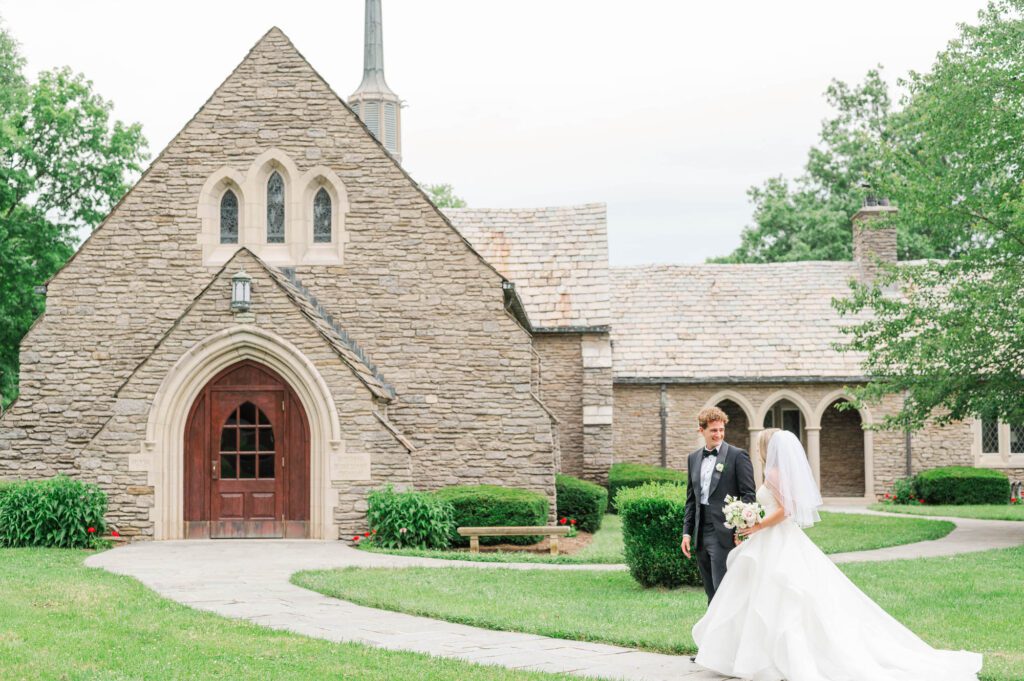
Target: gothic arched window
point(275, 209)
point(229, 218)
point(322, 217)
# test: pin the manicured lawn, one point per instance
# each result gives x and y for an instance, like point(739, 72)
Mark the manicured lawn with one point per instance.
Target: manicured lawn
point(61, 620)
point(970, 601)
point(837, 533)
point(842, 532)
point(983, 512)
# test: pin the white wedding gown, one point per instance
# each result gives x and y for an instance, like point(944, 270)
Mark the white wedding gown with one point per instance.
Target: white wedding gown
point(785, 611)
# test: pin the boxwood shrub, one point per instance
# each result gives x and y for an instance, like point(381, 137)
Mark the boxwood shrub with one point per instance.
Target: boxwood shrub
point(493, 506)
point(652, 531)
point(963, 485)
point(409, 519)
point(57, 513)
point(582, 500)
point(623, 475)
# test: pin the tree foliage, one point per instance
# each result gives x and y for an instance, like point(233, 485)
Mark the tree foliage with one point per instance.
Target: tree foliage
point(443, 196)
point(949, 335)
point(63, 165)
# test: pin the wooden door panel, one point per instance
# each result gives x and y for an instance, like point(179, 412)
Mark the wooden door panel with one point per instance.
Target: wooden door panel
point(247, 457)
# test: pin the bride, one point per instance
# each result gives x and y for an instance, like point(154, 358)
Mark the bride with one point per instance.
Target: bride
point(785, 611)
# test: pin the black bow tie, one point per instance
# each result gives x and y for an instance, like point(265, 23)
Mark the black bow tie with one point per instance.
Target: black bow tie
point(709, 452)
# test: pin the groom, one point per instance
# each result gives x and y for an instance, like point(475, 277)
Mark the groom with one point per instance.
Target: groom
point(714, 470)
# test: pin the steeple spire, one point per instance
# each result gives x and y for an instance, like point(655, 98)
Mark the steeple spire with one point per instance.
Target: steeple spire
point(374, 102)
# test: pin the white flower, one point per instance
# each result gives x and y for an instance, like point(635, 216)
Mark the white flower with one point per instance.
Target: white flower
point(720, 467)
point(402, 530)
point(748, 515)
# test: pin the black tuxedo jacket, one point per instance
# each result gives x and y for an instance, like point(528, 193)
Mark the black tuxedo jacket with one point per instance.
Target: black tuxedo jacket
point(736, 478)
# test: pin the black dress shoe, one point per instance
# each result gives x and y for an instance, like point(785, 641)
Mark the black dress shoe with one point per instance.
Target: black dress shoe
point(693, 658)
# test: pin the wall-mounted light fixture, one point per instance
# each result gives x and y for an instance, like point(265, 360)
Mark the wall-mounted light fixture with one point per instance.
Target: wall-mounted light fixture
point(241, 292)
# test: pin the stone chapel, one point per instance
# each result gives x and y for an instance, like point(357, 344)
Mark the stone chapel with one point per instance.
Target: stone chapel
point(276, 319)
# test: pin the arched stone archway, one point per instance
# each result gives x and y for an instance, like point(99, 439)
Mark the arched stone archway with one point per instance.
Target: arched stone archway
point(162, 453)
point(737, 432)
point(842, 452)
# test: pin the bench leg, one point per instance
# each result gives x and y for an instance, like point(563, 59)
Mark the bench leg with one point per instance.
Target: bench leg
point(474, 544)
point(554, 544)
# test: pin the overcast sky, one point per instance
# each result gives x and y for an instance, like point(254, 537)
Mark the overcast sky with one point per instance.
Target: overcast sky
point(666, 111)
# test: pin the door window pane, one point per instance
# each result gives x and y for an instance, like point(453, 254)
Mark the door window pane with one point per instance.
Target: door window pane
point(228, 440)
point(227, 466)
point(246, 466)
point(247, 414)
point(266, 466)
point(266, 439)
point(247, 439)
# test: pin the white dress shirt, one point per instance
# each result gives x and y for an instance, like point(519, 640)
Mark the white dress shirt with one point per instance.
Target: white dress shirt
point(707, 469)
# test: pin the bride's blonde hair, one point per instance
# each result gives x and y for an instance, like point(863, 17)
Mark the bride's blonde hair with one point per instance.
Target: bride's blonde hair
point(762, 444)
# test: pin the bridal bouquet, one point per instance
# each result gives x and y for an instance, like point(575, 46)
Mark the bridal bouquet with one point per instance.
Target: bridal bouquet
point(740, 515)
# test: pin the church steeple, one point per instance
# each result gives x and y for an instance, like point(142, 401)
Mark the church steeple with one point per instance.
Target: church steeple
point(373, 101)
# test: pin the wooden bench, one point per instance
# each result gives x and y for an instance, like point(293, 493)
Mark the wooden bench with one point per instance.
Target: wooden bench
point(474, 534)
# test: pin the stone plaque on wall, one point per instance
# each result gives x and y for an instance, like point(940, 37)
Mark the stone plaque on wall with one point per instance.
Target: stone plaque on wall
point(350, 466)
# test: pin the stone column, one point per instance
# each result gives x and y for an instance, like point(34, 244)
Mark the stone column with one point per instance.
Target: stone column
point(597, 406)
point(754, 458)
point(814, 452)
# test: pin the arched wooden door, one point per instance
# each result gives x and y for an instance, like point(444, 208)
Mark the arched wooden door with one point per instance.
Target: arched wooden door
point(246, 457)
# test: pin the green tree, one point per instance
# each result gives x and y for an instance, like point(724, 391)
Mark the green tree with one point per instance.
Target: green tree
point(948, 336)
point(444, 196)
point(63, 165)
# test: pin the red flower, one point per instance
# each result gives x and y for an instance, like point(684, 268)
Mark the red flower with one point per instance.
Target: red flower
point(920, 501)
point(572, 522)
point(375, 532)
point(356, 538)
point(563, 521)
point(115, 533)
point(366, 534)
point(91, 530)
point(888, 496)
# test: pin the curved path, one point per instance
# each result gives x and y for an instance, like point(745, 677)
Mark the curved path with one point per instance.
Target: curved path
point(248, 579)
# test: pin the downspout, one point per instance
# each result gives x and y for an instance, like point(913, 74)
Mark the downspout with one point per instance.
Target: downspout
point(664, 425)
point(908, 441)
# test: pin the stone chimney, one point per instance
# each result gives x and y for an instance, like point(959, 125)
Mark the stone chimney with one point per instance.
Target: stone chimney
point(874, 243)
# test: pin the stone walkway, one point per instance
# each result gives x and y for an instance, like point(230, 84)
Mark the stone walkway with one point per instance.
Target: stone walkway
point(249, 580)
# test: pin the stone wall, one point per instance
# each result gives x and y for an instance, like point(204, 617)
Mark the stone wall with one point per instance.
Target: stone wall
point(561, 390)
point(637, 430)
point(410, 291)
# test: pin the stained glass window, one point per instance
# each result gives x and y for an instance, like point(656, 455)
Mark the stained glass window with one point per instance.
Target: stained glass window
point(1017, 439)
point(275, 209)
point(322, 217)
point(229, 218)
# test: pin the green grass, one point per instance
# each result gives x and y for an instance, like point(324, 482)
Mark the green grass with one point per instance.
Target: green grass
point(837, 533)
point(843, 532)
point(61, 620)
point(970, 601)
point(983, 512)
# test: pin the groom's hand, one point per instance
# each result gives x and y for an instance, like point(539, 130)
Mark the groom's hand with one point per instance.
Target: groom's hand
point(686, 545)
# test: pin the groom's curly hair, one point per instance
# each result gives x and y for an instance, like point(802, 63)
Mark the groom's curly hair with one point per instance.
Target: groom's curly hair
point(711, 414)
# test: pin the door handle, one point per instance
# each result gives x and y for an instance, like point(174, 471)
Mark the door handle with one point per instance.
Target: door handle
point(213, 470)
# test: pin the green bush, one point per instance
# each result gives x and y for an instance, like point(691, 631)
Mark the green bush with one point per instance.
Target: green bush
point(624, 475)
point(963, 485)
point(652, 531)
point(584, 501)
point(492, 506)
point(57, 513)
point(409, 519)
point(904, 491)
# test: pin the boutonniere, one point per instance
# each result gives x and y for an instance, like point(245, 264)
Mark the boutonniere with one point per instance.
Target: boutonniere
point(720, 467)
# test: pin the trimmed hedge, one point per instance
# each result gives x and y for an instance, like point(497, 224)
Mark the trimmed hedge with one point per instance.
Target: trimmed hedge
point(409, 519)
point(625, 475)
point(582, 500)
point(493, 506)
point(962, 485)
point(652, 531)
point(53, 513)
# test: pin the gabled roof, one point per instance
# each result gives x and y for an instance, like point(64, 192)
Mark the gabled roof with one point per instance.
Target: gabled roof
point(731, 323)
point(557, 258)
point(350, 352)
